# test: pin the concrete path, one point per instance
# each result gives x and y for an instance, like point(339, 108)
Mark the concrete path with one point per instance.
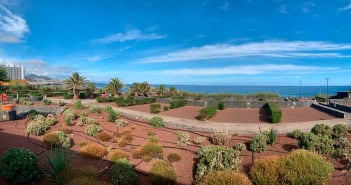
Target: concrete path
point(206, 126)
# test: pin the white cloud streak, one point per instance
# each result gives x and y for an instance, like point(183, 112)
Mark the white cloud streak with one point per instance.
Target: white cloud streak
point(129, 35)
point(250, 70)
point(12, 27)
point(276, 49)
point(345, 8)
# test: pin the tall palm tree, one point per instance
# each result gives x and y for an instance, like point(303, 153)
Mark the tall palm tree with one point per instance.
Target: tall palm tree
point(75, 83)
point(114, 86)
point(173, 91)
point(140, 89)
point(17, 89)
point(161, 90)
point(45, 90)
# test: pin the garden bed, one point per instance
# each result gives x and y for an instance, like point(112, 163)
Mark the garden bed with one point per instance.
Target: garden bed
point(12, 134)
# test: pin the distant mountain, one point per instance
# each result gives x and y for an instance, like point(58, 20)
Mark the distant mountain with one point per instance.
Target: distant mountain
point(33, 77)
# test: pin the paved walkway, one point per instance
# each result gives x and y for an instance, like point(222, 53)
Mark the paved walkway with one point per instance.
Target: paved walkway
point(194, 125)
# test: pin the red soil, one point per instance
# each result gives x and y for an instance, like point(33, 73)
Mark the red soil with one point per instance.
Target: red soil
point(12, 135)
point(241, 115)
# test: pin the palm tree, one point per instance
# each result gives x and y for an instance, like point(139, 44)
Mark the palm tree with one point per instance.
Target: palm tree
point(173, 91)
point(75, 83)
point(91, 87)
point(17, 89)
point(114, 86)
point(161, 90)
point(45, 90)
point(140, 89)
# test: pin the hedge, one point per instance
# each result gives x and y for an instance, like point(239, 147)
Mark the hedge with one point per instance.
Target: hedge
point(274, 112)
point(207, 113)
point(131, 101)
point(178, 103)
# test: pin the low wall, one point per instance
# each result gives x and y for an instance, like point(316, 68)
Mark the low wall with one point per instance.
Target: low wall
point(340, 107)
point(345, 101)
point(23, 109)
point(243, 104)
point(329, 110)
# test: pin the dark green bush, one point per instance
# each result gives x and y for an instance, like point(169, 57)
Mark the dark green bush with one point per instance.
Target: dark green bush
point(155, 108)
point(321, 129)
point(78, 105)
point(82, 95)
point(165, 108)
point(176, 103)
point(221, 106)
point(340, 130)
point(122, 173)
point(162, 173)
point(216, 158)
point(321, 144)
point(240, 147)
point(259, 143)
point(19, 165)
point(157, 122)
point(207, 113)
point(68, 96)
point(274, 112)
point(173, 157)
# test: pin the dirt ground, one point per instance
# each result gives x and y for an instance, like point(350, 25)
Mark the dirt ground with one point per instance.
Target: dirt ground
point(240, 115)
point(12, 135)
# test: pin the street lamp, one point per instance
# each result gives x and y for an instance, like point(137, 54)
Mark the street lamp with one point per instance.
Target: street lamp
point(300, 91)
point(327, 91)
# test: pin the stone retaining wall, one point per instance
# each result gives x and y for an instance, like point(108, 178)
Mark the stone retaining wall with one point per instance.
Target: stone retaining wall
point(340, 107)
point(23, 109)
point(329, 110)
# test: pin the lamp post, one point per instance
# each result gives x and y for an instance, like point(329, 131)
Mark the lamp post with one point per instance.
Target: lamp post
point(327, 91)
point(300, 91)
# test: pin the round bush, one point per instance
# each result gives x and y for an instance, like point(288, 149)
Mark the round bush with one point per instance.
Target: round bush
point(104, 136)
point(296, 134)
point(304, 167)
point(340, 130)
point(240, 147)
point(220, 138)
point(116, 155)
point(36, 127)
point(173, 157)
point(162, 173)
point(57, 138)
point(93, 150)
point(225, 178)
point(19, 165)
point(157, 122)
point(266, 171)
point(92, 130)
point(122, 173)
point(322, 144)
point(259, 143)
point(321, 129)
point(50, 120)
point(153, 150)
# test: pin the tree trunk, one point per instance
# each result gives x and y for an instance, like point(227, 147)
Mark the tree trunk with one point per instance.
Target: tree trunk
point(76, 95)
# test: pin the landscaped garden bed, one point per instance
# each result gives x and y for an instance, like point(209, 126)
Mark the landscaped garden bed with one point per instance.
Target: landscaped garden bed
point(98, 141)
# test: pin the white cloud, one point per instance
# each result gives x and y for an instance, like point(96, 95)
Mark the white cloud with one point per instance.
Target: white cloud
point(12, 27)
point(345, 8)
point(250, 70)
point(307, 6)
point(277, 49)
point(129, 35)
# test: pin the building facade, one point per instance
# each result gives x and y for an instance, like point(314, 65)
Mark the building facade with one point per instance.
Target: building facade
point(14, 72)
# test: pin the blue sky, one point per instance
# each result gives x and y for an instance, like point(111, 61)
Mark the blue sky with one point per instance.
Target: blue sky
point(214, 42)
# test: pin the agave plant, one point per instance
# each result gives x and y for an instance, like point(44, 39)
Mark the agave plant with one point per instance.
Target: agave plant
point(58, 160)
point(114, 86)
point(75, 83)
point(140, 89)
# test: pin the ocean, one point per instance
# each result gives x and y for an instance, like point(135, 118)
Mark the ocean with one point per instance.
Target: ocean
point(283, 91)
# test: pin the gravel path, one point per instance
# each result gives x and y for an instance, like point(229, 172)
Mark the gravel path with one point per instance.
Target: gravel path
point(194, 125)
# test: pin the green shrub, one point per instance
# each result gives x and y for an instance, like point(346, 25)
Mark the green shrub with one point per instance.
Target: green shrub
point(92, 130)
point(78, 105)
point(165, 108)
point(61, 103)
point(121, 122)
point(157, 122)
point(226, 177)
point(107, 108)
point(342, 142)
point(122, 173)
point(68, 96)
point(340, 130)
point(28, 103)
point(94, 109)
point(220, 138)
point(259, 143)
point(57, 138)
point(303, 167)
point(240, 147)
point(113, 115)
point(70, 114)
point(50, 120)
point(274, 112)
point(173, 157)
point(271, 136)
point(216, 158)
point(266, 171)
point(153, 150)
point(37, 126)
point(321, 129)
point(341, 153)
point(46, 102)
point(177, 103)
point(322, 144)
point(19, 165)
point(68, 121)
point(207, 113)
point(199, 140)
point(162, 173)
point(115, 155)
point(31, 114)
point(295, 134)
point(58, 160)
point(183, 138)
point(155, 108)
point(221, 106)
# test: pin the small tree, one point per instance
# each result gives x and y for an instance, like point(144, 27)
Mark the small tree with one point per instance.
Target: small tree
point(114, 86)
point(161, 90)
point(75, 83)
point(17, 89)
point(45, 90)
